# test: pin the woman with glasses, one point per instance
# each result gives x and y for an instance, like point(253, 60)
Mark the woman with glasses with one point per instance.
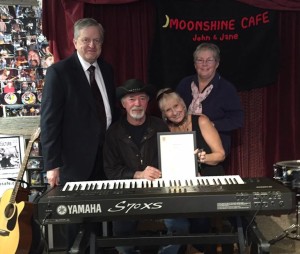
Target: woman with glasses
point(174, 112)
point(208, 93)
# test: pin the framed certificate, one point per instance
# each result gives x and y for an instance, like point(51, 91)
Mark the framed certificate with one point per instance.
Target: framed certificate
point(176, 154)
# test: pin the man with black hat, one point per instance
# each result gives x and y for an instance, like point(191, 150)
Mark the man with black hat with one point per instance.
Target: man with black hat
point(130, 148)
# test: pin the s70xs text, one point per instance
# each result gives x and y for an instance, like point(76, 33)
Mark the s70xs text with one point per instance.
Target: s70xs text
point(127, 207)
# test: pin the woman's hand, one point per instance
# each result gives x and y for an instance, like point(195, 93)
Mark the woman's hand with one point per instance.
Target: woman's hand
point(201, 155)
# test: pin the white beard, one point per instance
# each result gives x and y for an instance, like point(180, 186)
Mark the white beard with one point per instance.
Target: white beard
point(137, 115)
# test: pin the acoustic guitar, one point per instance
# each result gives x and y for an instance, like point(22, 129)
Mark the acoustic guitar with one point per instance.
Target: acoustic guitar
point(15, 217)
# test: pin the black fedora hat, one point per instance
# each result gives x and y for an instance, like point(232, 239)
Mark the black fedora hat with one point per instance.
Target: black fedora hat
point(134, 86)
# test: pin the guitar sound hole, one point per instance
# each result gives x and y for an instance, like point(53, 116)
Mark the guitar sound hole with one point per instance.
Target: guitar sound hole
point(9, 210)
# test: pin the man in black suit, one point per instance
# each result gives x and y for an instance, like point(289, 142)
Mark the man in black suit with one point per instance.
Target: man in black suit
point(72, 129)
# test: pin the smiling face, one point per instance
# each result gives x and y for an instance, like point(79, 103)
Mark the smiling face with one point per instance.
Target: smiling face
point(135, 105)
point(206, 64)
point(173, 109)
point(89, 43)
point(34, 57)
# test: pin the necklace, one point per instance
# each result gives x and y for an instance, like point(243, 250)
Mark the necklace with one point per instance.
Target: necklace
point(184, 125)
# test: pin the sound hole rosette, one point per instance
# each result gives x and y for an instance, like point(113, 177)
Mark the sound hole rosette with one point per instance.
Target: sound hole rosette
point(287, 171)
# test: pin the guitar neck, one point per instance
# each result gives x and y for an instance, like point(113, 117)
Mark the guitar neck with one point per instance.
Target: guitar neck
point(21, 172)
point(23, 165)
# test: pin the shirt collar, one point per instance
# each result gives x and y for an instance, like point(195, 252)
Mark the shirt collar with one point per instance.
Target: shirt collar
point(85, 65)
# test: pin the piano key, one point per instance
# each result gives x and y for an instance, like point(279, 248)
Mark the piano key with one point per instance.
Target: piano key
point(219, 181)
point(132, 185)
point(179, 183)
point(143, 183)
point(222, 180)
point(171, 183)
point(66, 187)
point(160, 183)
point(229, 194)
point(126, 184)
point(100, 185)
point(155, 183)
point(174, 184)
point(192, 182)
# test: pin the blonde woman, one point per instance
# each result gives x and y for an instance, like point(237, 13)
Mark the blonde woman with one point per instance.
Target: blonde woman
point(210, 155)
point(174, 112)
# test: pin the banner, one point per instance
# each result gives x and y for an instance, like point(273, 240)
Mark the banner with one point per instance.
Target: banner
point(247, 37)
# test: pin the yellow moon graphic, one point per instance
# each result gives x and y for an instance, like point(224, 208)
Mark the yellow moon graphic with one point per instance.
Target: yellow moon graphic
point(167, 21)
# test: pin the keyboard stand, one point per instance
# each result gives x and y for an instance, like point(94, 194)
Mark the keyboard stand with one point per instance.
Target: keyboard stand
point(209, 238)
point(259, 244)
point(84, 239)
point(77, 245)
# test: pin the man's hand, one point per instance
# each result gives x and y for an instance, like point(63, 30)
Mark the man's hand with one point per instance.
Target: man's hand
point(149, 173)
point(53, 177)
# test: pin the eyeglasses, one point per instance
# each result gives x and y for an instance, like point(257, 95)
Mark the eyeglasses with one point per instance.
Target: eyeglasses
point(87, 41)
point(167, 91)
point(207, 61)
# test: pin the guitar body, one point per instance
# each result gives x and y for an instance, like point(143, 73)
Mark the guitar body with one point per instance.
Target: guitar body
point(15, 218)
point(16, 214)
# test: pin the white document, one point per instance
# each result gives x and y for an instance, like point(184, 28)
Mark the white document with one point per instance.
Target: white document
point(176, 155)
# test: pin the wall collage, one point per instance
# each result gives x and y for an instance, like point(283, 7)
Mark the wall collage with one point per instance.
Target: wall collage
point(24, 58)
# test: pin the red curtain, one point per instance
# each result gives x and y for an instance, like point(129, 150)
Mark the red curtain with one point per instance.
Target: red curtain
point(288, 5)
point(270, 133)
point(281, 108)
point(128, 33)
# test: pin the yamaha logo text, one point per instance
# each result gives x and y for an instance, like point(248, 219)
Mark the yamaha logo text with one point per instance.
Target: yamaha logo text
point(79, 209)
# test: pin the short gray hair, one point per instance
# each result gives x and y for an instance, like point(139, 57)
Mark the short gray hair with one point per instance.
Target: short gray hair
point(87, 22)
point(208, 46)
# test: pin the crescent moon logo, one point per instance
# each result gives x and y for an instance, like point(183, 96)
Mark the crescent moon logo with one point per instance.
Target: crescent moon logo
point(167, 21)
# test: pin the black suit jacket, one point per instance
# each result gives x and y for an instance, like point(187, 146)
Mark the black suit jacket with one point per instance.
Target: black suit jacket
point(71, 133)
